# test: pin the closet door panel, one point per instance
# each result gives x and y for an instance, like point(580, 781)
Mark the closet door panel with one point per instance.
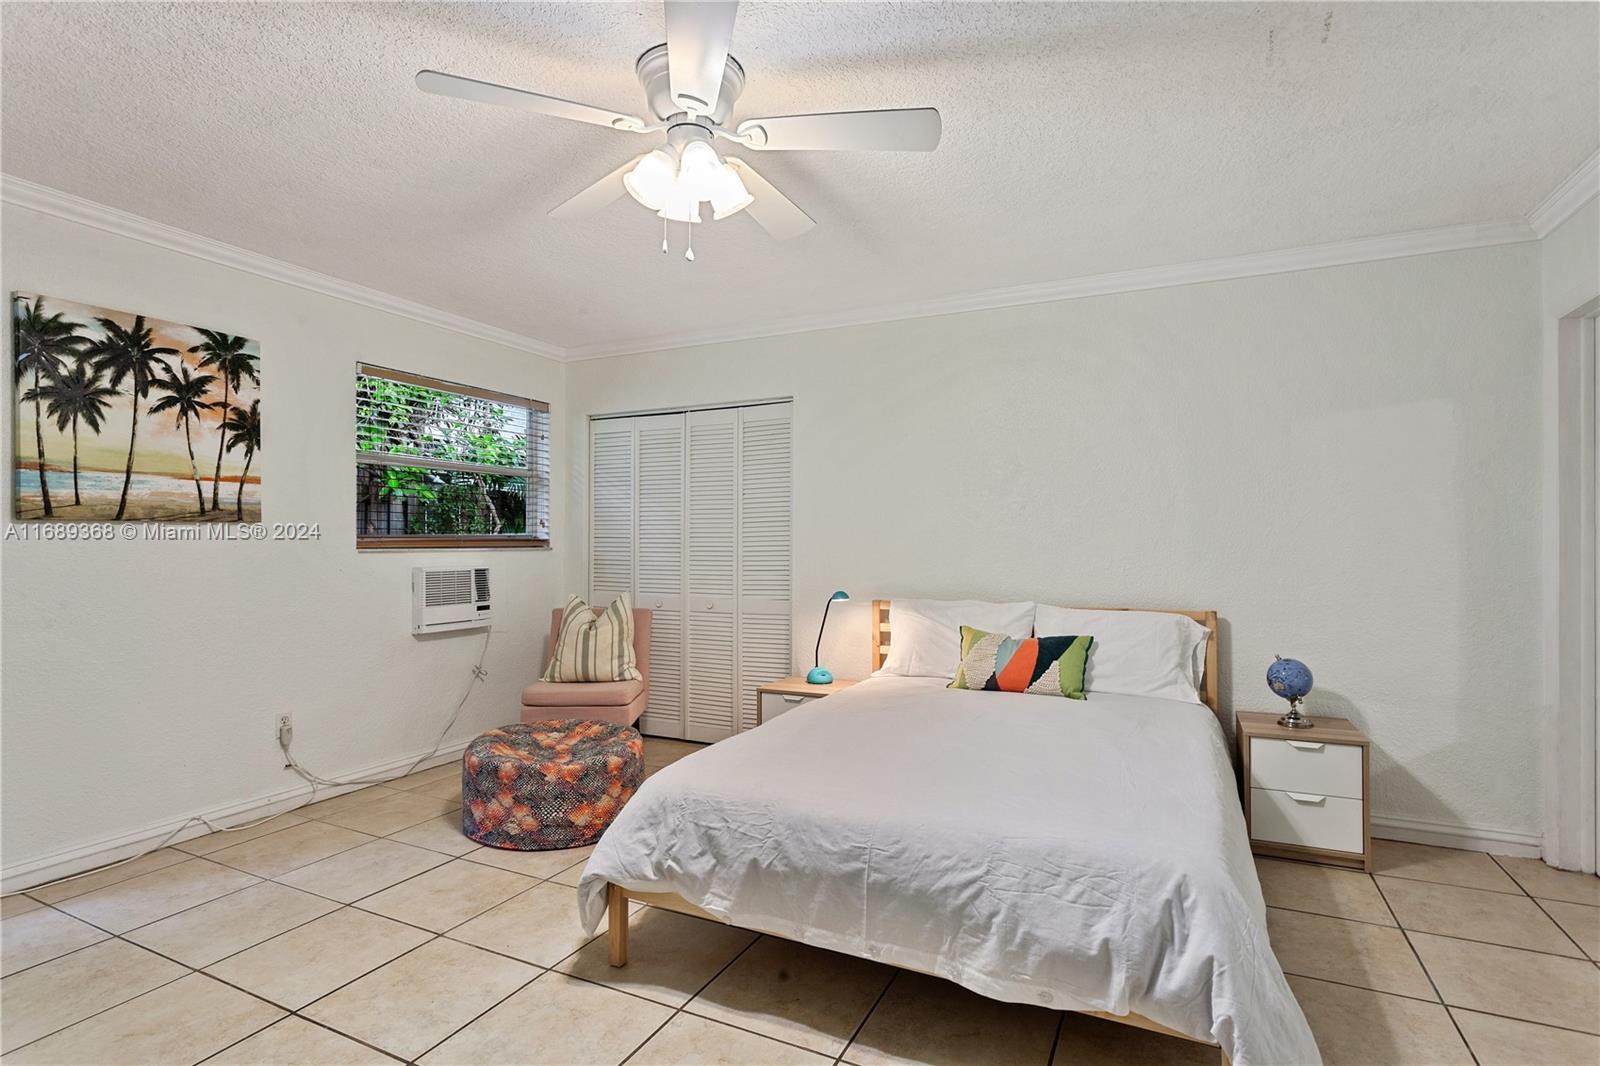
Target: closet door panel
point(659, 556)
point(765, 542)
point(611, 508)
point(712, 552)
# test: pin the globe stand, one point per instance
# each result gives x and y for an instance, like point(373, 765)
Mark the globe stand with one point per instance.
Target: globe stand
point(1294, 719)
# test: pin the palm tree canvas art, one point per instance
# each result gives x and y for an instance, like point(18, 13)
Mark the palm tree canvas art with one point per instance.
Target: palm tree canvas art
point(124, 417)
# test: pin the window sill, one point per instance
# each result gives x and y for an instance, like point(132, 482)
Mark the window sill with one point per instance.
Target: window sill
point(421, 543)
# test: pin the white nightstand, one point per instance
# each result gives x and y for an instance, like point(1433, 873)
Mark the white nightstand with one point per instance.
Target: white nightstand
point(1306, 790)
point(775, 697)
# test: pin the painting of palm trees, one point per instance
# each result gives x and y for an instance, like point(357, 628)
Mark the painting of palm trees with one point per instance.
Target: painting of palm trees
point(87, 381)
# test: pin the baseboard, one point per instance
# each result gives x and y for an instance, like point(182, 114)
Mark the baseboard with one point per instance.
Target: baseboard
point(33, 872)
point(1457, 835)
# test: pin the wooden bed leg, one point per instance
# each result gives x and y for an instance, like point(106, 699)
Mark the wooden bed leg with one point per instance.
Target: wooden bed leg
point(617, 927)
point(1225, 1060)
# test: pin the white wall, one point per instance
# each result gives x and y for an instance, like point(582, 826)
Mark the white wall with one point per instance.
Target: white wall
point(1343, 462)
point(141, 679)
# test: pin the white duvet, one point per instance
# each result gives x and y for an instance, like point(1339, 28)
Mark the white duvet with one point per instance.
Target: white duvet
point(1074, 854)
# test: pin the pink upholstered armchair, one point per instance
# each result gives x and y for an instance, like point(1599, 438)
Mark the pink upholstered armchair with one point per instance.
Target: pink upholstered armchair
point(608, 701)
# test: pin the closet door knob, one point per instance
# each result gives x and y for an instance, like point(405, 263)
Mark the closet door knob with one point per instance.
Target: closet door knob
point(710, 605)
point(658, 605)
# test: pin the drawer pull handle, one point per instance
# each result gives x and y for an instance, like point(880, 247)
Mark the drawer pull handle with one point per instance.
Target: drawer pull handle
point(1301, 797)
point(1304, 745)
point(793, 699)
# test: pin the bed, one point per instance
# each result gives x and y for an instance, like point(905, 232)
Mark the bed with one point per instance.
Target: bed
point(1083, 855)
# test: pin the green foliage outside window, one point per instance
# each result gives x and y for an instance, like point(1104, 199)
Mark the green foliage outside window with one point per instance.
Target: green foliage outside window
point(401, 419)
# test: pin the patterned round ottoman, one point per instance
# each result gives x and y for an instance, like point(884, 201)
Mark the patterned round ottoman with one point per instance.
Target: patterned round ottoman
point(548, 785)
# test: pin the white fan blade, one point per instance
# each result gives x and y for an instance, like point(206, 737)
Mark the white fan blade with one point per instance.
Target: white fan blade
point(699, 33)
point(485, 92)
point(913, 129)
point(603, 192)
point(772, 210)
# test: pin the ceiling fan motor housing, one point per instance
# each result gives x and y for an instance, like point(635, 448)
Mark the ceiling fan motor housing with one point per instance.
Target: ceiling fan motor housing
point(652, 72)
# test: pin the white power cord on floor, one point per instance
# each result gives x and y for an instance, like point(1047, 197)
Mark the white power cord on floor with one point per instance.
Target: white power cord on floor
point(314, 780)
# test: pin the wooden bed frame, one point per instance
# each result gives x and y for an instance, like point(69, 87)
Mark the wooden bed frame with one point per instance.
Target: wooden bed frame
point(617, 897)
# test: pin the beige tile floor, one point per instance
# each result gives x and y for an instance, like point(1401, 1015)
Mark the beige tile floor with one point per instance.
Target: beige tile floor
point(366, 929)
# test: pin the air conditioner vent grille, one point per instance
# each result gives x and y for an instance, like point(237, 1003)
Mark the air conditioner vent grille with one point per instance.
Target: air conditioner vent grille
point(441, 588)
point(480, 578)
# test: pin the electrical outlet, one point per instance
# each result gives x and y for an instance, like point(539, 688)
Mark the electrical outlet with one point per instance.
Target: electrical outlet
point(283, 728)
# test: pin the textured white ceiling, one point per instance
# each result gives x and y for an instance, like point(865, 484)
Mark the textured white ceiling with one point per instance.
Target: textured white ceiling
point(1078, 139)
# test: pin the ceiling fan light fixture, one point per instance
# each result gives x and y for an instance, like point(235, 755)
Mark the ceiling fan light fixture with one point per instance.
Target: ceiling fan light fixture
point(653, 179)
point(680, 204)
point(699, 169)
point(728, 194)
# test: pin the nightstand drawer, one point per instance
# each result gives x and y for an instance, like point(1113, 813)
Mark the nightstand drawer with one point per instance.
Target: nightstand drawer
point(775, 703)
point(1314, 766)
point(1307, 820)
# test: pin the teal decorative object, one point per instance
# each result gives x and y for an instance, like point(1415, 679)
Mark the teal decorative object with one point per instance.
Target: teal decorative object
point(1291, 680)
point(819, 674)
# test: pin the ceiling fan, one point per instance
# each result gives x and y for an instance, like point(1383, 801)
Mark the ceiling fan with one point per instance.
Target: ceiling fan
point(690, 84)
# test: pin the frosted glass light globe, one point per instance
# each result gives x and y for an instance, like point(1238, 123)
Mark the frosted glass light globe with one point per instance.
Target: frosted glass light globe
point(652, 178)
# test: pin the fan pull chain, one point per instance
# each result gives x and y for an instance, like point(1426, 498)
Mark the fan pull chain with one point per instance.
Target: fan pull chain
point(688, 251)
point(664, 230)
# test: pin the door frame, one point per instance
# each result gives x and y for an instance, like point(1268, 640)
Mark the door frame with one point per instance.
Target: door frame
point(1572, 829)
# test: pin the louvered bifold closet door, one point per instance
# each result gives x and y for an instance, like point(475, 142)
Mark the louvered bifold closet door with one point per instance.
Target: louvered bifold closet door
point(611, 509)
point(766, 646)
point(710, 612)
point(660, 561)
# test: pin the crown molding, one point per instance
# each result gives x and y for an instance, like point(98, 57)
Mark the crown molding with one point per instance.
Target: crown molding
point(1255, 264)
point(1567, 198)
point(1581, 186)
point(42, 198)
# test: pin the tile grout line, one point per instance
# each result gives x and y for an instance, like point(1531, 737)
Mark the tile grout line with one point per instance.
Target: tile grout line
point(1447, 1006)
point(1055, 1043)
point(295, 1013)
point(543, 972)
point(308, 1021)
point(433, 936)
point(1523, 1021)
point(1362, 988)
point(679, 1009)
point(190, 972)
point(855, 1034)
point(1429, 932)
point(1425, 972)
point(1581, 951)
point(284, 932)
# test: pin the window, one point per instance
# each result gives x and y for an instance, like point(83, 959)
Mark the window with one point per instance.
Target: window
point(442, 465)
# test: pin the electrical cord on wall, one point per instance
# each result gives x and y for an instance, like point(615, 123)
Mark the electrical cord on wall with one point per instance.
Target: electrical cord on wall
point(314, 780)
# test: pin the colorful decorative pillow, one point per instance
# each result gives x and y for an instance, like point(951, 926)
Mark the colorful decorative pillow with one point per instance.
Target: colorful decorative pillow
point(1045, 666)
point(591, 647)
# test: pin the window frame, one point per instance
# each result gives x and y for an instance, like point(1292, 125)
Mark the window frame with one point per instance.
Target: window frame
point(538, 482)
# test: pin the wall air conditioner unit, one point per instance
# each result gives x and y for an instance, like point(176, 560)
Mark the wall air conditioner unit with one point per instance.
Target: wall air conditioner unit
point(445, 599)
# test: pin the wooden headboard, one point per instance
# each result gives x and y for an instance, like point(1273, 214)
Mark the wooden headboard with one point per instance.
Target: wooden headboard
point(1209, 683)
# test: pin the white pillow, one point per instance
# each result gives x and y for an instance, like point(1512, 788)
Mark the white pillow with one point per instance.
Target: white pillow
point(1139, 653)
point(925, 635)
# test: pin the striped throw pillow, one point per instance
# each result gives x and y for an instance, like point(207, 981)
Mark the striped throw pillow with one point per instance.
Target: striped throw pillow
point(591, 647)
point(1045, 666)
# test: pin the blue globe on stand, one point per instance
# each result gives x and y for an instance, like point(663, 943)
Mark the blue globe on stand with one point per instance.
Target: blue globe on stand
point(1291, 680)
